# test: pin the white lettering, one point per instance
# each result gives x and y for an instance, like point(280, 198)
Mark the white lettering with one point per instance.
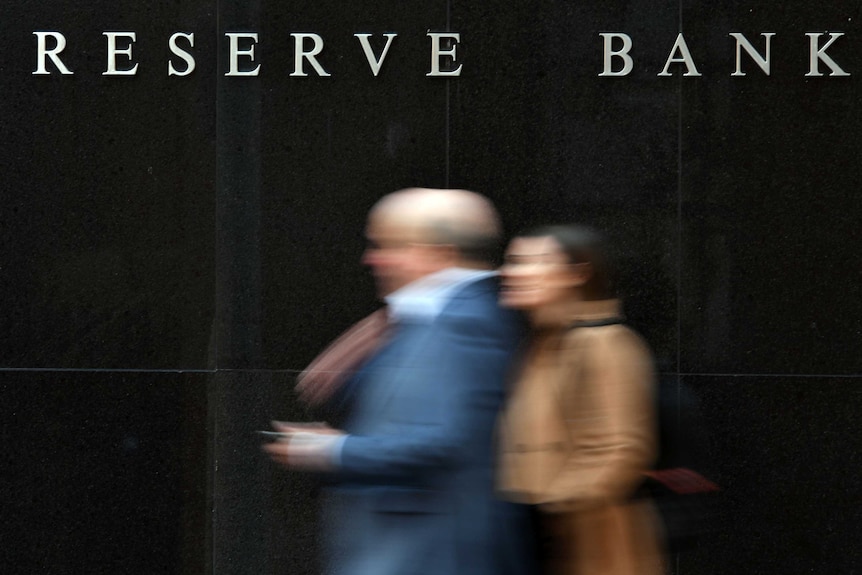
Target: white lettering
point(235, 53)
point(54, 53)
point(817, 54)
point(685, 58)
point(300, 54)
point(437, 53)
point(623, 53)
point(189, 59)
point(743, 43)
point(113, 51)
point(374, 63)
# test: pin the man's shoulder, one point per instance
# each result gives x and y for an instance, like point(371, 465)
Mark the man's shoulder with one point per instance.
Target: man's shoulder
point(475, 309)
point(487, 286)
point(479, 298)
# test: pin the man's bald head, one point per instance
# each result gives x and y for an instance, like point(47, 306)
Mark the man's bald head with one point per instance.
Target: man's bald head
point(418, 231)
point(462, 219)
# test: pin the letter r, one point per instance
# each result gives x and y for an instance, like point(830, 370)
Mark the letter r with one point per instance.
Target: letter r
point(54, 53)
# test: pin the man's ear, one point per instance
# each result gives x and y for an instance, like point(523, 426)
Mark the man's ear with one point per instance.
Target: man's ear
point(448, 254)
point(438, 256)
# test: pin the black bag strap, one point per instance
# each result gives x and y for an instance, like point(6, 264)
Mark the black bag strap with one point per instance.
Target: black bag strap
point(597, 322)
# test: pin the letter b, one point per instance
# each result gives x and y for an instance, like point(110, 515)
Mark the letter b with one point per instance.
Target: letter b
point(623, 53)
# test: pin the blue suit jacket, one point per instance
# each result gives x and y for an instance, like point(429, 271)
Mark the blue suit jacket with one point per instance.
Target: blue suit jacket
point(416, 489)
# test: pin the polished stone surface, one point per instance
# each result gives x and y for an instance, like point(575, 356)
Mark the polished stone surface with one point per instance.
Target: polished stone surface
point(769, 221)
point(108, 206)
point(215, 224)
point(782, 448)
point(104, 472)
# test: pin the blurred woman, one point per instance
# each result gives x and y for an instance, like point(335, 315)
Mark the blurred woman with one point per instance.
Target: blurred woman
point(579, 430)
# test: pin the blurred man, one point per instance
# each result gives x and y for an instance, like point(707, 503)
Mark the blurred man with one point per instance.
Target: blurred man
point(414, 461)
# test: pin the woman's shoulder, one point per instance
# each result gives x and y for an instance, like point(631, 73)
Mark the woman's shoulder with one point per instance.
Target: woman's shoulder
point(612, 339)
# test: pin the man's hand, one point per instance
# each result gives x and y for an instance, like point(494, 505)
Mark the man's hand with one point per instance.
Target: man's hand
point(303, 427)
point(307, 446)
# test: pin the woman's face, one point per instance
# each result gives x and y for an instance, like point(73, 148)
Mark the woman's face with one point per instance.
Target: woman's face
point(537, 273)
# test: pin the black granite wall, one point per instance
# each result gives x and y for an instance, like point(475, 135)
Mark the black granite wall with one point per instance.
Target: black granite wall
point(175, 248)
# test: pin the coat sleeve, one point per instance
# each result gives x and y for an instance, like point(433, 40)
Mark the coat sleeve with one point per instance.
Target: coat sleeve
point(609, 411)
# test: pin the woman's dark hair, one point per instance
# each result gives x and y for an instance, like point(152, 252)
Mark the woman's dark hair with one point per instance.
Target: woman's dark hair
point(582, 244)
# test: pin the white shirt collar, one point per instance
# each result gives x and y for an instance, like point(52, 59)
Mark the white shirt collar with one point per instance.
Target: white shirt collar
point(425, 298)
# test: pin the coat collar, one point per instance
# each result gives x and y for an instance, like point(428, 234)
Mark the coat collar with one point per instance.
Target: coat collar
point(423, 300)
point(570, 313)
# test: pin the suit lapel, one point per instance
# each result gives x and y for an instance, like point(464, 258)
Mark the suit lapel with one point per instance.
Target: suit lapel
point(408, 366)
point(407, 359)
point(397, 365)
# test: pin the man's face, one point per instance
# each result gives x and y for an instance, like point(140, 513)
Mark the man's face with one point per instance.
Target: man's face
point(393, 253)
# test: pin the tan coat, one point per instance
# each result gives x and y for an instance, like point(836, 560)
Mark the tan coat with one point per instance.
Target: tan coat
point(577, 434)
